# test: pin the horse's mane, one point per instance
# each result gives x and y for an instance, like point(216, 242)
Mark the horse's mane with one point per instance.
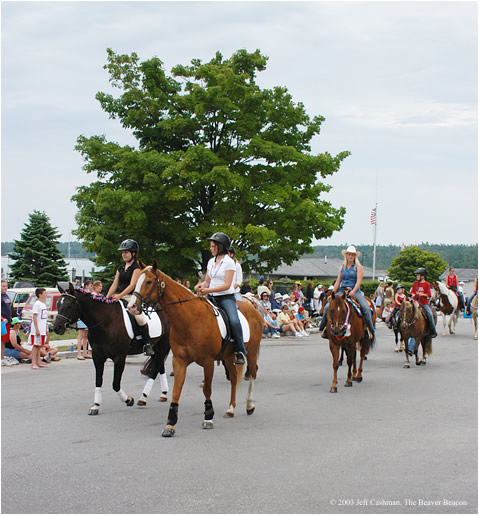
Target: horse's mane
point(96, 297)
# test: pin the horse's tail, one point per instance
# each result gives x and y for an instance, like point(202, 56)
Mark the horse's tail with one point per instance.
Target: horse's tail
point(239, 375)
point(428, 348)
point(147, 366)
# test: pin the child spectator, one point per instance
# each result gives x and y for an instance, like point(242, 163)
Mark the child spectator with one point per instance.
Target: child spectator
point(286, 323)
point(303, 317)
point(38, 330)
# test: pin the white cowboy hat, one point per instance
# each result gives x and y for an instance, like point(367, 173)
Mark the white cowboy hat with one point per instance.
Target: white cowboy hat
point(351, 250)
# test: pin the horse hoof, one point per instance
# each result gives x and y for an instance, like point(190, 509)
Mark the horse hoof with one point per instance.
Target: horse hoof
point(229, 414)
point(141, 402)
point(168, 431)
point(250, 411)
point(423, 363)
point(207, 424)
point(163, 398)
point(407, 365)
point(93, 411)
point(359, 379)
point(333, 390)
point(348, 384)
point(130, 401)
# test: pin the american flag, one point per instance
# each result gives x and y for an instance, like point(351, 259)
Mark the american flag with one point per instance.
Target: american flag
point(373, 217)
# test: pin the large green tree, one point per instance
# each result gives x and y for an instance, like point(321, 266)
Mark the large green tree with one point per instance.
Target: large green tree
point(410, 259)
point(36, 253)
point(215, 153)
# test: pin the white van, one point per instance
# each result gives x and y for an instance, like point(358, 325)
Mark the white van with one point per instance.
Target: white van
point(19, 297)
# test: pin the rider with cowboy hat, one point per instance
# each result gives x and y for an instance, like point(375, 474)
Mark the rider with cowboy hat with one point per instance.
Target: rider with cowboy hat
point(124, 284)
point(350, 275)
point(219, 283)
point(421, 291)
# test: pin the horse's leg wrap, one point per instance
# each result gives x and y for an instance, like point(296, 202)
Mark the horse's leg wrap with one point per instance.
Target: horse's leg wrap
point(122, 395)
point(209, 411)
point(163, 383)
point(148, 387)
point(173, 414)
point(98, 396)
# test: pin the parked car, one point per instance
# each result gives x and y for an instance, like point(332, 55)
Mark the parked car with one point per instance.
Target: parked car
point(52, 310)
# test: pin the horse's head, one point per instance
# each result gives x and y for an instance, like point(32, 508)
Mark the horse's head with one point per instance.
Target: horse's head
point(68, 309)
point(149, 288)
point(406, 314)
point(337, 314)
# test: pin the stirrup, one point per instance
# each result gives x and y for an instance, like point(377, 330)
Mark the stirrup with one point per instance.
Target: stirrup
point(148, 349)
point(240, 358)
point(324, 333)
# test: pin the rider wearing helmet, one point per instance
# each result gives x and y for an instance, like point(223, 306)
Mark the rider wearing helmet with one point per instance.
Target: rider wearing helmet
point(399, 298)
point(124, 283)
point(219, 283)
point(421, 291)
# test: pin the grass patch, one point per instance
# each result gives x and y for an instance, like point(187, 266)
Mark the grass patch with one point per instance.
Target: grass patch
point(70, 334)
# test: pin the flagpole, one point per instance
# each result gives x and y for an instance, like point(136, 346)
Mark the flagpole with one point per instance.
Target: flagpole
point(374, 253)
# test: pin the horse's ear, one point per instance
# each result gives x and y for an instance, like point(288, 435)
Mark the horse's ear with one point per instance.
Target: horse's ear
point(332, 294)
point(155, 265)
point(142, 265)
point(60, 289)
point(71, 289)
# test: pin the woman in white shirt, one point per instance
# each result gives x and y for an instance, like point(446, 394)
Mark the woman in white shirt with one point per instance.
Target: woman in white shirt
point(238, 277)
point(218, 283)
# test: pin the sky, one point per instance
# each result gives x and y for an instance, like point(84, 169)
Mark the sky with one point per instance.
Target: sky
point(396, 81)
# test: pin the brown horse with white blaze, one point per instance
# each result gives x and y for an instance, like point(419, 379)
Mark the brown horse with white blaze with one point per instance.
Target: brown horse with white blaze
point(346, 331)
point(414, 324)
point(195, 338)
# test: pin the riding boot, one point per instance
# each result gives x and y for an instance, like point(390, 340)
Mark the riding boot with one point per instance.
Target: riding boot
point(147, 347)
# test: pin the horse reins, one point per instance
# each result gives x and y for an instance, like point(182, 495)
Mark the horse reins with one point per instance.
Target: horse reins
point(69, 320)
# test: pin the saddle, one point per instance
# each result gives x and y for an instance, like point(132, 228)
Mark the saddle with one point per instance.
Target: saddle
point(354, 303)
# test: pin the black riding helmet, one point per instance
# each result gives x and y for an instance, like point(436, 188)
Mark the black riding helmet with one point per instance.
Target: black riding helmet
point(130, 245)
point(221, 237)
point(232, 250)
point(399, 286)
point(421, 271)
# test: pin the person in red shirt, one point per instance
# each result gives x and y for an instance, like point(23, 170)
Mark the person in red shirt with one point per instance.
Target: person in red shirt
point(399, 298)
point(421, 291)
point(452, 280)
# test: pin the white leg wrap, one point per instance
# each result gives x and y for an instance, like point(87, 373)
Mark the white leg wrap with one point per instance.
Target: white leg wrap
point(164, 383)
point(249, 397)
point(98, 396)
point(148, 387)
point(122, 396)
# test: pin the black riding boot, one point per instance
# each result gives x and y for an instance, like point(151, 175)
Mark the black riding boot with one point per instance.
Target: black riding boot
point(147, 347)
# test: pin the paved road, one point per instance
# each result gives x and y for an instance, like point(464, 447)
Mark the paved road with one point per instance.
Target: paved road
point(403, 441)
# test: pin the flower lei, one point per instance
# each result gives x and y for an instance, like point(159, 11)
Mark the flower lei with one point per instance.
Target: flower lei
point(97, 296)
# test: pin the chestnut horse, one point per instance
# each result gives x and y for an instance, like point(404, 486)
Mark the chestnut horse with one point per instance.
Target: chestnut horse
point(346, 330)
point(195, 338)
point(474, 315)
point(414, 324)
point(449, 305)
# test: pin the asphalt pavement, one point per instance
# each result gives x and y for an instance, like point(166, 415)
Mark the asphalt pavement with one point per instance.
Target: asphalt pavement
point(402, 441)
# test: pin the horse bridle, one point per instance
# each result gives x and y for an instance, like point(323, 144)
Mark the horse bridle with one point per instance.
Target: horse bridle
point(160, 287)
point(69, 320)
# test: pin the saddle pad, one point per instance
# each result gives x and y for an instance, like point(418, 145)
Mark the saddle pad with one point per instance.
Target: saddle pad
point(222, 326)
point(153, 320)
point(358, 309)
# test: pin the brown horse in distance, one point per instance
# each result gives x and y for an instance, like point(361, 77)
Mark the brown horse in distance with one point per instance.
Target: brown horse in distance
point(413, 324)
point(346, 330)
point(195, 338)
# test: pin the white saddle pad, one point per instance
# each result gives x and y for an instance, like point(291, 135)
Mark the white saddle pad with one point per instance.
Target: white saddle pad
point(222, 325)
point(153, 320)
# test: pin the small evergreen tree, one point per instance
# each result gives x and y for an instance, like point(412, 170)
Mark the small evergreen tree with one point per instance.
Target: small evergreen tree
point(36, 254)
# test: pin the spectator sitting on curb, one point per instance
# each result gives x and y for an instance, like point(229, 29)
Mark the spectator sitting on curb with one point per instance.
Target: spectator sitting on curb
point(49, 353)
point(303, 316)
point(13, 348)
point(270, 326)
point(276, 304)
